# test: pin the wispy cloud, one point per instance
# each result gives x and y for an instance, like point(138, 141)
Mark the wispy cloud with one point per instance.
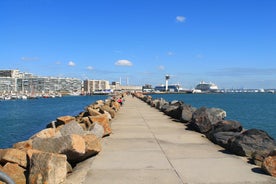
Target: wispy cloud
point(71, 63)
point(180, 19)
point(170, 53)
point(89, 68)
point(161, 67)
point(123, 62)
point(29, 58)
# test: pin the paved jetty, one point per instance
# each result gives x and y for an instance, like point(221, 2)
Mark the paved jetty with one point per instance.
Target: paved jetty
point(148, 147)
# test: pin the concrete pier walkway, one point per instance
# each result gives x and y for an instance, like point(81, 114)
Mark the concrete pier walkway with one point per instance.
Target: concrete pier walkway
point(148, 147)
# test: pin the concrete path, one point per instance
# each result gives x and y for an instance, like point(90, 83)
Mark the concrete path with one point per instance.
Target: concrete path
point(148, 147)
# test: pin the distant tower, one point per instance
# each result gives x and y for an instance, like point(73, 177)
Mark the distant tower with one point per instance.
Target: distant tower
point(167, 77)
point(127, 81)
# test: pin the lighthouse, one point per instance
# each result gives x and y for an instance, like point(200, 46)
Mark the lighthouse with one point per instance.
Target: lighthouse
point(167, 77)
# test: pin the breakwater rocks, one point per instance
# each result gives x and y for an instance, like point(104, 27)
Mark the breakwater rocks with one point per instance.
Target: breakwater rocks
point(254, 144)
point(49, 155)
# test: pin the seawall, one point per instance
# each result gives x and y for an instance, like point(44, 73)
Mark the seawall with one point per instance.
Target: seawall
point(147, 146)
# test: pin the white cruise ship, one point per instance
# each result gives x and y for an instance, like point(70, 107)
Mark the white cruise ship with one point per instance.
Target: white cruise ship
point(207, 87)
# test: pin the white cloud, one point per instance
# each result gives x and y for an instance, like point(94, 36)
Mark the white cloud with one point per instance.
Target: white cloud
point(180, 19)
point(161, 67)
point(90, 68)
point(29, 58)
point(123, 62)
point(71, 63)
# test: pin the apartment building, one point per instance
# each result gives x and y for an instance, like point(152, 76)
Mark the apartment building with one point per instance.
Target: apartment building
point(14, 81)
point(92, 86)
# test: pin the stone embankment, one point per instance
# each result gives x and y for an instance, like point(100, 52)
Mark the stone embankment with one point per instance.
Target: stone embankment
point(49, 155)
point(254, 144)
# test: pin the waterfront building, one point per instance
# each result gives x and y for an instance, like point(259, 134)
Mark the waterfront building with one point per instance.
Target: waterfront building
point(171, 88)
point(13, 81)
point(147, 88)
point(10, 73)
point(92, 86)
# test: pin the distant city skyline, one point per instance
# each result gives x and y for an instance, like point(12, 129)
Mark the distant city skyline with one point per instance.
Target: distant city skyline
point(231, 43)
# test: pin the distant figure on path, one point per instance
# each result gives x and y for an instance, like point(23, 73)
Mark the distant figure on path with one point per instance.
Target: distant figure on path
point(120, 101)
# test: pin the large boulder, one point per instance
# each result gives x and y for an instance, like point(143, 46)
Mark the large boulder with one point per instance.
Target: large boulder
point(250, 141)
point(222, 138)
point(115, 105)
point(85, 123)
point(164, 107)
point(154, 102)
point(108, 109)
point(93, 111)
point(46, 133)
point(227, 126)
point(92, 146)
point(15, 172)
point(65, 119)
point(174, 109)
point(103, 121)
point(97, 130)
point(203, 118)
point(187, 113)
point(61, 121)
point(24, 145)
point(71, 128)
point(48, 168)
point(269, 165)
point(73, 146)
point(224, 126)
point(14, 156)
point(160, 103)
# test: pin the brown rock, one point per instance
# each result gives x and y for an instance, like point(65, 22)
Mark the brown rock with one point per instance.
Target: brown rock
point(92, 145)
point(116, 105)
point(24, 145)
point(73, 146)
point(83, 126)
point(48, 168)
point(65, 119)
point(14, 156)
point(100, 102)
point(86, 121)
point(108, 109)
point(30, 153)
point(93, 112)
point(71, 128)
point(269, 165)
point(46, 133)
point(103, 121)
point(15, 172)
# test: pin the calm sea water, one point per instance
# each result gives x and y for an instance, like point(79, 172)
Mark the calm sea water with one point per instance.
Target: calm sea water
point(252, 110)
point(20, 119)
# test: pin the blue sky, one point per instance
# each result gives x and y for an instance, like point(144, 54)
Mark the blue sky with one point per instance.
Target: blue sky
point(229, 42)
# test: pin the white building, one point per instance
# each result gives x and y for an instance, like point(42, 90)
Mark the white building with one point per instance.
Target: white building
point(91, 86)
